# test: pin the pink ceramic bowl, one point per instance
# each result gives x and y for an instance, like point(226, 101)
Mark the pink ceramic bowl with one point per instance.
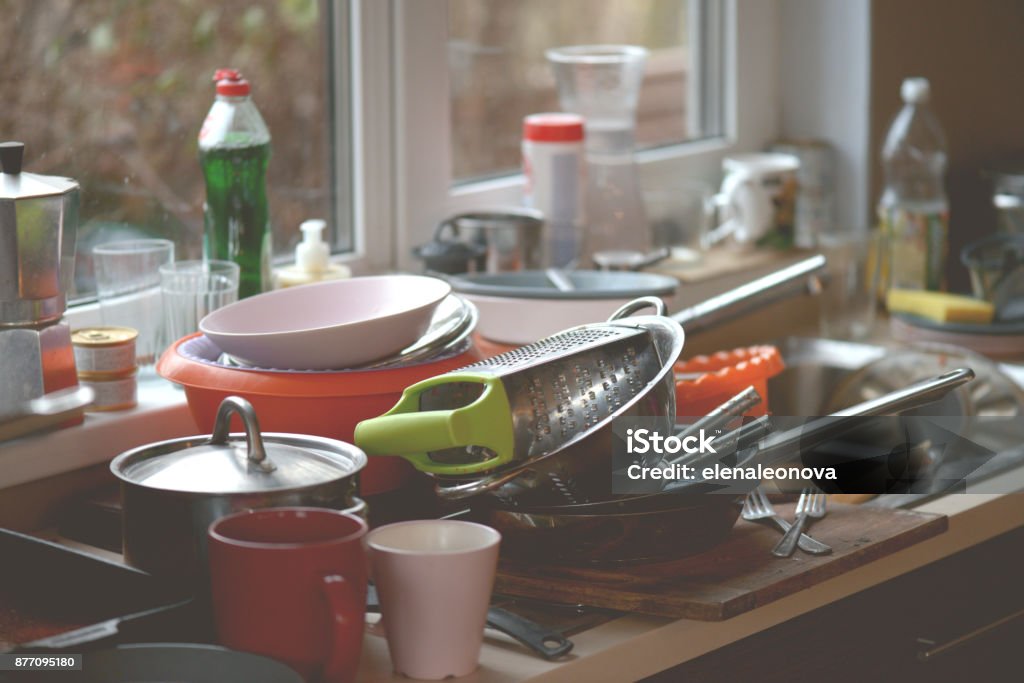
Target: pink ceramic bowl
point(329, 325)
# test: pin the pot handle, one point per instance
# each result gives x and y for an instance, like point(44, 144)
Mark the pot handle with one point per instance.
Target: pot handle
point(222, 426)
point(638, 305)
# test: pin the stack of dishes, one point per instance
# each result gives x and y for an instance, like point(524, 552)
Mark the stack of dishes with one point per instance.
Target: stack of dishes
point(320, 358)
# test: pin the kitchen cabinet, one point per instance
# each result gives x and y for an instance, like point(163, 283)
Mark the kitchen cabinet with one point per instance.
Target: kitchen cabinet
point(874, 635)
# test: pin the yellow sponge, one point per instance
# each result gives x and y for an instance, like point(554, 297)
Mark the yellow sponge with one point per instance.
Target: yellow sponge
point(939, 306)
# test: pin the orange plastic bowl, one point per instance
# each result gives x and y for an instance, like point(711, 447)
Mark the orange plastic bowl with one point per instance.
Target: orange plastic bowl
point(705, 382)
point(328, 404)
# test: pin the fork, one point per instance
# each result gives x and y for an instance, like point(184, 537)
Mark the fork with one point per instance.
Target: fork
point(757, 508)
point(810, 505)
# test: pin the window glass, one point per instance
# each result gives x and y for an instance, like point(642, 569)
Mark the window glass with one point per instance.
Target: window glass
point(113, 92)
point(499, 73)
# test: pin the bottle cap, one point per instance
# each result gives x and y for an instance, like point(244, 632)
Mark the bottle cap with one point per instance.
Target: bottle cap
point(230, 83)
point(312, 253)
point(915, 90)
point(553, 127)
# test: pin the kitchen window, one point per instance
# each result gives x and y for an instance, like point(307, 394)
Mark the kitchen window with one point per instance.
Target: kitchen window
point(112, 93)
point(466, 71)
point(373, 105)
point(498, 72)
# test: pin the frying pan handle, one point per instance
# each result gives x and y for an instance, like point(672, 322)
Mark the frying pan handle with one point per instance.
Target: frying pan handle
point(780, 446)
point(912, 396)
point(547, 643)
point(222, 426)
point(717, 419)
point(638, 305)
point(411, 433)
point(799, 278)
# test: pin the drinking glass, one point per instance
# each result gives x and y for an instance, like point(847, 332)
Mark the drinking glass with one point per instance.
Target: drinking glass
point(602, 84)
point(850, 298)
point(680, 214)
point(191, 289)
point(128, 288)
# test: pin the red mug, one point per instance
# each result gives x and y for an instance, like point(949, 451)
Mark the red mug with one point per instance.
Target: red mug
point(290, 583)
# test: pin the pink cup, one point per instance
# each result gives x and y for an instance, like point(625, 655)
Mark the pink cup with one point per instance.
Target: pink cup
point(434, 580)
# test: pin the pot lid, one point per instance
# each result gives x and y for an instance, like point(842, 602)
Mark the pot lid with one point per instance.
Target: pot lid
point(238, 463)
point(17, 185)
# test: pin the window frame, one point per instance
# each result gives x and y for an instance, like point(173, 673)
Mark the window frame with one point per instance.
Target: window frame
point(423, 182)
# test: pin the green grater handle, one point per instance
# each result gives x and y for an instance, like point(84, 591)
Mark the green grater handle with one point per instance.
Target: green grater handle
point(411, 433)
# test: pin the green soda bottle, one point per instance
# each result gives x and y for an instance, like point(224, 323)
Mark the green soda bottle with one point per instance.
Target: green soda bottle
point(234, 150)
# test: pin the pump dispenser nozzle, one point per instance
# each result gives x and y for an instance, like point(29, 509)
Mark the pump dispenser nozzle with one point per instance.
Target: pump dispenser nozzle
point(312, 258)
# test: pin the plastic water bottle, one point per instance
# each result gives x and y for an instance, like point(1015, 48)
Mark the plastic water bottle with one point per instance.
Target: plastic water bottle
point(234, 150)
point(914, 210)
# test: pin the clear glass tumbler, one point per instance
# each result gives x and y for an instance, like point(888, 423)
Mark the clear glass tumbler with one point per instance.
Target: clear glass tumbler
point(192, 289)
point(602, 84)
point(850, 298)
point(128, 289)
point(680, 213)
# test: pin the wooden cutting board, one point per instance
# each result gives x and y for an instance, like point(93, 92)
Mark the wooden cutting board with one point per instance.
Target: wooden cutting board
point(734, 577)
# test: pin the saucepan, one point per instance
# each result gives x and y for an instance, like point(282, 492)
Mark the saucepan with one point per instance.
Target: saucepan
point(173, 490)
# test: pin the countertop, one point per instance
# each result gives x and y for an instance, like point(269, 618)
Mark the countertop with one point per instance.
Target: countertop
point(635, 646)
point(625, 648)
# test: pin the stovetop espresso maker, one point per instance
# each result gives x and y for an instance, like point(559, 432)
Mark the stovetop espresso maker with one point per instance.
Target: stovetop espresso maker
point(38, 225)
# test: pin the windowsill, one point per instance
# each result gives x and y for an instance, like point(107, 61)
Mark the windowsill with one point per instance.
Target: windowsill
point(162, 411)
point(161, 414)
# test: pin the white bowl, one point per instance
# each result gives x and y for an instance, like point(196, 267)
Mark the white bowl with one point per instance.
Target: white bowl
point(514, 321)
point(524, 306)
point(329, 325)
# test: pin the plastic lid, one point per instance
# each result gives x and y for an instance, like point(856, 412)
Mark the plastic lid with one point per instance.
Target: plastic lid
point(553, 127)
point(915, 90)
point(230, 83)
point(312, 253)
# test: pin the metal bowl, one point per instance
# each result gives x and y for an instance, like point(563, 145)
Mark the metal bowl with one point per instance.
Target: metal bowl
point(580, 470)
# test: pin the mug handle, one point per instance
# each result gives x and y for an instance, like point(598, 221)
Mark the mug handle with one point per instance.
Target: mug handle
point(346, 633)
point(728, 202)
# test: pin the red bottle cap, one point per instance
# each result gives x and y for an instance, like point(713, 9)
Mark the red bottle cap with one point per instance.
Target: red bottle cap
point(553, 127)
point(230, 83)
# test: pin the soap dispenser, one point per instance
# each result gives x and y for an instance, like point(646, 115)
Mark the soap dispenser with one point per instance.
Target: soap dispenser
point(312, 259)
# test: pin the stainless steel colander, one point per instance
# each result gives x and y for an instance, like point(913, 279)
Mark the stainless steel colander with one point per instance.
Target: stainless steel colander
point(520, 406)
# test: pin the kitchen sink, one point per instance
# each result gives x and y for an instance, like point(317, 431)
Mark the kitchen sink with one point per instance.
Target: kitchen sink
point(815, 382)
point(815, 369)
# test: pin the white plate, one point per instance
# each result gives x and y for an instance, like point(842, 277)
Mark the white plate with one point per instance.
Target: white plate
point(328, 325)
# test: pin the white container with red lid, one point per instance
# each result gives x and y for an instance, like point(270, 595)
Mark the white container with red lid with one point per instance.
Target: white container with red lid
point(554, 165)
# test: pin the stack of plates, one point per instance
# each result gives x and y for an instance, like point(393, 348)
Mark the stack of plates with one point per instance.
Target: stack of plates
point(447, 335)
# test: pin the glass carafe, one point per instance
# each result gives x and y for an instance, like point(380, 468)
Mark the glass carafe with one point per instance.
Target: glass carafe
point(602, 84)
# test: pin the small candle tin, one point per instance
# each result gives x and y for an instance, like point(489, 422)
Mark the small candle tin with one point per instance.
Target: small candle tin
point(104, 352)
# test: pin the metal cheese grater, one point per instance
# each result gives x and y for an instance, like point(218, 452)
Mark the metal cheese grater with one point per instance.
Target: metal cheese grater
point(519, 405)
